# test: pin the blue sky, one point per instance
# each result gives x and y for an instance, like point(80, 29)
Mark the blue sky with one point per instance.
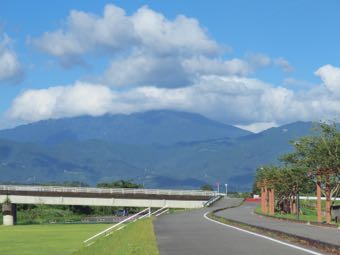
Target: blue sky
point(254, 64)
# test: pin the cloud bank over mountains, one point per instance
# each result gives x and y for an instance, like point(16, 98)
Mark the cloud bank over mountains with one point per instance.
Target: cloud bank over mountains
point(231, 99)
point(157, 63)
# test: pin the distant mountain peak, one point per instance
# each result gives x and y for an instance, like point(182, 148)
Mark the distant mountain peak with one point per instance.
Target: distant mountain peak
point(163, 127)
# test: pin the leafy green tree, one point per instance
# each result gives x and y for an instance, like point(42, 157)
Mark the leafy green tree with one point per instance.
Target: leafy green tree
point(319, 157)
point(207, 187)
point(287, 183)
point(120, 184)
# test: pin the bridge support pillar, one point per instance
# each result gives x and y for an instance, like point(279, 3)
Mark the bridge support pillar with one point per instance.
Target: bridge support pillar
point(9, 212)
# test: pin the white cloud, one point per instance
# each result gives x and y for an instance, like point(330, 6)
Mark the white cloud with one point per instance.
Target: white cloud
point(85, 32)
point(115, 31)
point(330, 76)
point(141, 69)
point(296, 83)
point(258, 60)
point(248, 103)
point(201, 65)
point(258, 126)
point(284, 65)
point(169, 64)
point(146, 48)
point(183, 35)
point(10, 68)
point(61, 101)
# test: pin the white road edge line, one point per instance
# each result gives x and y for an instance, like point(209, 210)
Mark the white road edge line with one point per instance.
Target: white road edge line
point(262, 236)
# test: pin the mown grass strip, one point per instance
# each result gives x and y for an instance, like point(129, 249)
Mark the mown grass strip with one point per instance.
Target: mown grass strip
point(51, 239)
point(310, 218)
point(137, 238)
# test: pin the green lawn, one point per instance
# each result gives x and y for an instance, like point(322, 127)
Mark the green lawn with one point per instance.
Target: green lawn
point(45, 239)
point(137, 238)
point(308, 211)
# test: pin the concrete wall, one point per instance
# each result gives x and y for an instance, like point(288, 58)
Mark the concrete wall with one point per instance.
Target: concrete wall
point(15, 199)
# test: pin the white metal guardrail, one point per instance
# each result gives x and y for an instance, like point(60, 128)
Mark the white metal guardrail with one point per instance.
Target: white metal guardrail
point(138, 216)
point(106, 231)
point(105, 190)
point(159, 210)
point(314, 198)
point(212, 200)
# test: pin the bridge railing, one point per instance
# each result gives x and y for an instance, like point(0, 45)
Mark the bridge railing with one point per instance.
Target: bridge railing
point(105, 190)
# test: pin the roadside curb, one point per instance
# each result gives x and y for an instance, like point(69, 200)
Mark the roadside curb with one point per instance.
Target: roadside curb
point(323, 246)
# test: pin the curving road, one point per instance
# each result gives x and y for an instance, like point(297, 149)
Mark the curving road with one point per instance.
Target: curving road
point(245, 214)
point(190, 233)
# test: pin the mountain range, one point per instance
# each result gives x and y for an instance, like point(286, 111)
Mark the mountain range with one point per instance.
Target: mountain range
point(165, 149)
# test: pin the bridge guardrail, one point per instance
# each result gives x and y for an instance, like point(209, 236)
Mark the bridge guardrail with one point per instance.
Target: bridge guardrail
point(105, 190)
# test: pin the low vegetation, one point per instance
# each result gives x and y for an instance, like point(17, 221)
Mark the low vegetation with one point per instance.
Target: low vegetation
point(51, 239)
point(136, 238)
point(307, 212)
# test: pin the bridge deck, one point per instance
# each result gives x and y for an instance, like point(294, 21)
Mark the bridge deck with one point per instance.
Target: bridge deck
point(87, 192)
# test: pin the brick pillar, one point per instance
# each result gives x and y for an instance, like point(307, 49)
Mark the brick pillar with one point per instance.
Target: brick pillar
point(318, 201)
point(271, 201)
point(262, 199)
point(265, 195)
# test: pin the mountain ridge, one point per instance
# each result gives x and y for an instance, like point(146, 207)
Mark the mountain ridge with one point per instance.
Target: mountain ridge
point(172, 164)
point(159, 127)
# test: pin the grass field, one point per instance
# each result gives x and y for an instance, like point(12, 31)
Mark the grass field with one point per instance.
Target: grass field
point(137, 238)
point(45, 239)
point(308, 211)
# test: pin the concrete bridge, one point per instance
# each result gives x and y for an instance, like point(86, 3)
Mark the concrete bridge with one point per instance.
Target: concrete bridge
point(52, 195)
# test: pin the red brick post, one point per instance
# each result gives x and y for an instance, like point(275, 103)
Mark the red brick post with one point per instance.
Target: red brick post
point(318, 200)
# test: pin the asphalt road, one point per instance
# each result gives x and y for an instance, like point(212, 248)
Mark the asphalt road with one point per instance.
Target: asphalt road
point(245, 214)
point(190, 233)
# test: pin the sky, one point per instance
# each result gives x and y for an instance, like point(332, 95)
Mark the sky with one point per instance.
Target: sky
point(252, 64)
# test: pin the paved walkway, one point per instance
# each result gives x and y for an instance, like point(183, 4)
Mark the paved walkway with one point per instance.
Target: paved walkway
point(245, 214)
point(190, 233)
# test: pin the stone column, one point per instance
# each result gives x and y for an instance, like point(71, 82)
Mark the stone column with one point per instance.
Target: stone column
point(9, 212)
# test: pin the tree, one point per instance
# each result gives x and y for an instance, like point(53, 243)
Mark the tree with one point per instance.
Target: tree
point(319, 157)
point(120, 184)
point(207, 187)
point(287, 183)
